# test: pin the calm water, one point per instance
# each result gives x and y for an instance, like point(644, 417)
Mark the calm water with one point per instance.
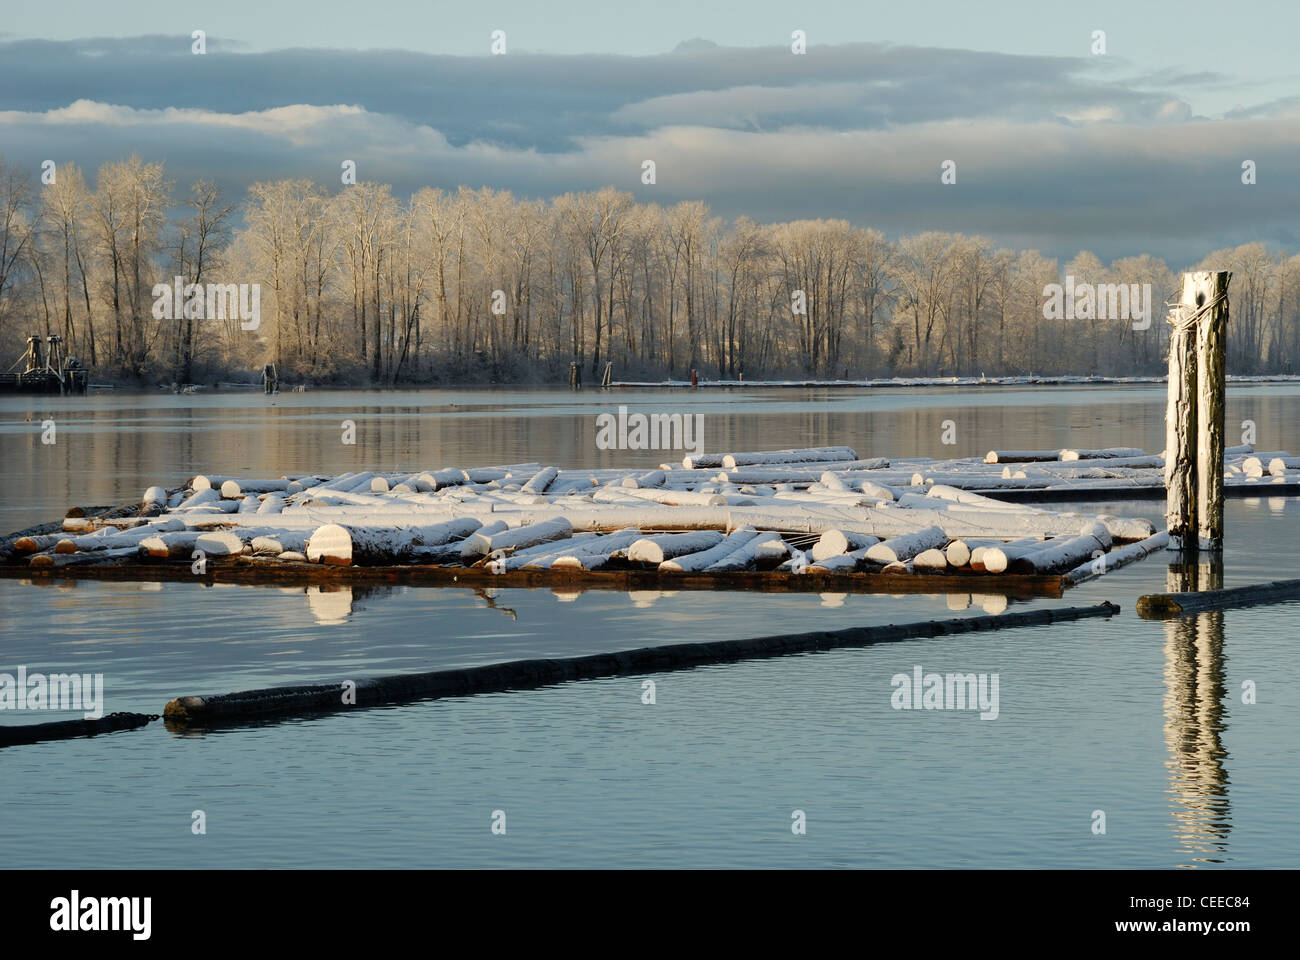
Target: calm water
point(1142, 720)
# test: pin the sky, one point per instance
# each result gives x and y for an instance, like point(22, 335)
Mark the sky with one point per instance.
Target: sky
point(1055, 147)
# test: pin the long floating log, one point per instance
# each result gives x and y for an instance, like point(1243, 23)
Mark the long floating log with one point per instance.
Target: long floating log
point(217, 709)
point(15, 734)
point(803, 455)
point(1109, 453)
point(1020, 456)
point(1117, 558)
point(1165, 606)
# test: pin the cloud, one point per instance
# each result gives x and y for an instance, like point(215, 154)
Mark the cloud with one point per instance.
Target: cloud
point(1050, 154)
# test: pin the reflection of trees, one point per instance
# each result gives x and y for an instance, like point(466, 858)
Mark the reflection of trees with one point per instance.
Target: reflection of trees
point(1194, 721)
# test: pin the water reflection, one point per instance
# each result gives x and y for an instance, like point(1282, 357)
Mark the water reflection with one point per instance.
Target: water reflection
point(1194, 719)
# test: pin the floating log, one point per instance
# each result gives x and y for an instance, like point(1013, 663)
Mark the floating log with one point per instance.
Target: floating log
point(1119, 557)
point(217, 709)
point(1258, 465)
point(539, 556)
point(691, 562)
point(654, 478)
point(1020, 456)
point(46, 560)
point(101, 540)
point(1163, 606)
point(1063, 553)
point(15, 734)
point(931, 560)
point(272, 504)
point(843, 562)
point(37, 543)
point(234, 489)
point(1110, 453)
point(153, 502)
point(959, 552)
point(556, 528)
point(164, 545)
point(764, 548)
point(200, 498)
point(907, 546)
point(666, 546)
point(999, 559)
point(806, 455)
point(341, 545)
point(273, 545)
point(832, 543)
point(541, 480)
point(219, 543)
point(598, 552)
point(1279, 466)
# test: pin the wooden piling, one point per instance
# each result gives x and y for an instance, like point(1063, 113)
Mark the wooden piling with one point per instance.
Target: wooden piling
point(1194, 416)
point(1180, 426)
point(1210, 292)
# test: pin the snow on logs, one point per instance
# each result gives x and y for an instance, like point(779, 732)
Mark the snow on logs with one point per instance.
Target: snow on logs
point(715, 514)
point(479, 545)
point(666, 546)
point(908, 545)
point(341, 545)
point(805, 455)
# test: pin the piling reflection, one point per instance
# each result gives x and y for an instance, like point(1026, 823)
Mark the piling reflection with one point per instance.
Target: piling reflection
point(1194, 720)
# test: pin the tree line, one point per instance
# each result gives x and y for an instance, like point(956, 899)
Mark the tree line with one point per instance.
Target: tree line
point(476, 285)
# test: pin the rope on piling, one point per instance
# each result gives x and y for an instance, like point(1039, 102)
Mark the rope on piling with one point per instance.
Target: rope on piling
point(248, 705)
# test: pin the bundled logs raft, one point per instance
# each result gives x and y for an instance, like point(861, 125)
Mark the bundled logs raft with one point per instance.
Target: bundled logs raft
point(819, 511)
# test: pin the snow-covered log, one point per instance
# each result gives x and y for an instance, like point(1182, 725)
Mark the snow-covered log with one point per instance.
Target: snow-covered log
point(153, 502)
point(163, 545)
point(806, 455)
point(1060, 553)
point(931, 560)
point(1020, 456)
point(843, 563)
point(274, 544)
point(1119, 557)
point(666, 546)
point(835, 542)
point(763, 549)
point(539, 481)
point(1108, 453)
point(908, 545)
point(692, 562)
point(340, 545)
point(597, 552)
point(555, 528)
